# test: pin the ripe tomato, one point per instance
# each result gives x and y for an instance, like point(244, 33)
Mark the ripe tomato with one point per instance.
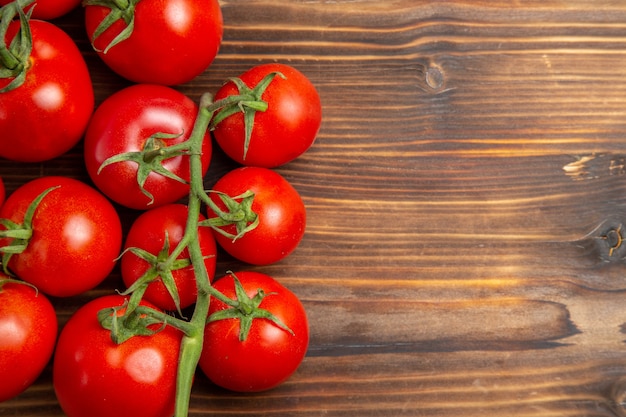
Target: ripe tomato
point(148, 232)
point(270, 354)
point(125, 122)
point(93, 376)
point(282, 132)
point(49, 9)
point(28, 332)
point(46, 115)
point(280, 210)
point(76, 236)
point(171, 43)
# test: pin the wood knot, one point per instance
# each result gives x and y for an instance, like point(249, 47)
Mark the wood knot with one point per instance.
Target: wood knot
point(612, 242)
point(609, 240)
point(434, 78)
point(431, 77)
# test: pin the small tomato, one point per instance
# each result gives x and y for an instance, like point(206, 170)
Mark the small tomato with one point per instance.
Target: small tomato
point(280, 210)
point(270, 353)
point(281, 133)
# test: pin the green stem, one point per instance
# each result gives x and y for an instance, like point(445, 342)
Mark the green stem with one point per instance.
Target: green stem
point(193, 339)
point(166, 151)
point(161, 317)
point(236, 102)
point(121, 4)
point(191, 344)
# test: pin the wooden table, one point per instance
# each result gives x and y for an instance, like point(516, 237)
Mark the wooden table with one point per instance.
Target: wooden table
point(466, 205)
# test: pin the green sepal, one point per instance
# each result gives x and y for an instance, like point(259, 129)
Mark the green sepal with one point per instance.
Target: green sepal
point(20, 234)
point(238, 212)
point(118, 10)
point(150, 159)
point(7, 280)
point(246, 310)
point(14, 58)
point(159, 268)
point(128, 324)
point(248, 102)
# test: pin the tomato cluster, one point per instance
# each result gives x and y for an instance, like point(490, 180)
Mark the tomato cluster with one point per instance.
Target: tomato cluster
point(147, 149)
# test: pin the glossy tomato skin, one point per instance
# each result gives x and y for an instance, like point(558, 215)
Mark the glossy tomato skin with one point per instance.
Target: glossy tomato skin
point(123, 123)
point(77, 236)
point(49, 9)
point(270, 354)
point(94, 377)
point(173, 41)
point(47, 115)
point(281, 133)
point(281, 211)
point(148, 233)
point(28, 332)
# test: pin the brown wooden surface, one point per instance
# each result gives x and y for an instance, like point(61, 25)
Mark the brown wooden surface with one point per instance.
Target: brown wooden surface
point(464, 198)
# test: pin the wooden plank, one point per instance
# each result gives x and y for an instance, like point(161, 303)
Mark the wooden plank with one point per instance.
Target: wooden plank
point(466, 204)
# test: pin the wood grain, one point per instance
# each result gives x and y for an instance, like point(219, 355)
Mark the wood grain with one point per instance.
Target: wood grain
point(466, 199)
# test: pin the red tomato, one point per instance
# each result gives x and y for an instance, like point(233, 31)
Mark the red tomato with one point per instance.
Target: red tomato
point(280, 210)
point(49, 9)
point(93, 376)
point(282, 132)
point(46, 115)
point(270, 354)
point(28, 332)
point(123, 123)
point(76, 238)
point(172, 41)
point(148, 232)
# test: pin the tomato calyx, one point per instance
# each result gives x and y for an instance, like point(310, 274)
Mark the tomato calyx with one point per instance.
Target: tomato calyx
point(248, 102)
point(161, 267)
point(119, 9)
point(19, 234)
point(238, 212)
point(125, 324)
point(246, 310)
point(150, 159)
point(14, 58)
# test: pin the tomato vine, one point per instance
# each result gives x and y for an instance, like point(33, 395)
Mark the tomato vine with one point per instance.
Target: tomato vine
point(137, 319)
